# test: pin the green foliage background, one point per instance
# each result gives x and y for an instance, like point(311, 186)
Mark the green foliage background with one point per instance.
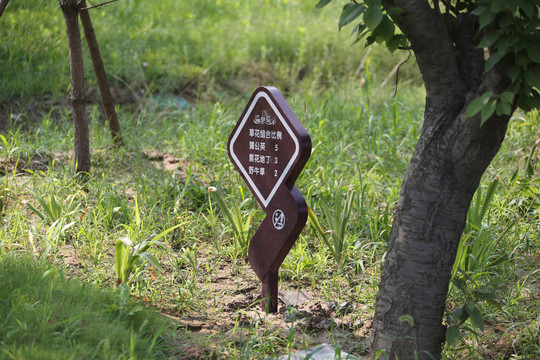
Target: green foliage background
point(166, 45)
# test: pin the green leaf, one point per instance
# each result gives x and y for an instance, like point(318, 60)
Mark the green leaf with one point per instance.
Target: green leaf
point(514, 73)
point(452, 335)
point(490, 39)
point(373, 17)
point(323, 3)
point(527, 7)
point(373, 2)
point(533, 50)
point(487, 111)
point(152, 260)
point(350, 13)
point(521, 44)
point(514, 88)
point(163, 233)
point(502, 45)
point(457, 314)
point(493, 60)
point(395, 42)
point(56, 208)
point(395, 10)
point(37, 212)
point(497, 5)
point(386, 29)
point(532, 76)
point(511, 6)
point(118, 254)
point(488, 198)
point(126, 241)
point(497, 260)
point(463, 314)
point(477, 104)
point(522, 59)
point(476, 317)
point(503, 108)
point(137, 215)
point(507, 96)
point(486, 18)
point(361, 34)
point(359, 29)
point(459, 283)
point(531, 101)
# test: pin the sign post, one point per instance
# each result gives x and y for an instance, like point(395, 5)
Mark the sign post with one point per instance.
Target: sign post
point(269, 147)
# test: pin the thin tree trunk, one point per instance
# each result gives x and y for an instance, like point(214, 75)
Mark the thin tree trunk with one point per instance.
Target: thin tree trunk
point(81, 161)
point(3, 4)
point(99, 69)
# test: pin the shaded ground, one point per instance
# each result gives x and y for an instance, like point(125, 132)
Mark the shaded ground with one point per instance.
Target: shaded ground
point(224, 314)
point(215, 307)
point(232, 314)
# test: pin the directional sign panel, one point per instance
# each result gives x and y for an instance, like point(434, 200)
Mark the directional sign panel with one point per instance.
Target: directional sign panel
point(264, 148)
point(269, 147)
point(267, 143)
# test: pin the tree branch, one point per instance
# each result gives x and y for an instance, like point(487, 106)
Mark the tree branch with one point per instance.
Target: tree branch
point(469, 57)
point(433, 48)
point(98, 5)
point(437, 7)
point(449, 7)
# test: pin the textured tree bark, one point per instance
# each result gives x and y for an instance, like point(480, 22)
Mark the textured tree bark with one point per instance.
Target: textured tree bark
point(81, 160)
point(444, 172)
point(99, 69)
point(3, 4)
point(443, 175)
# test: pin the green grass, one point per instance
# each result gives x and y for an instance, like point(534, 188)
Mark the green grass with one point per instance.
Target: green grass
point(214, 47)
point(214, 53)
point(47, 315)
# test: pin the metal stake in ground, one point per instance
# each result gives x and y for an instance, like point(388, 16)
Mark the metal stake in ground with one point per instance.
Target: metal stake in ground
point(269, 147)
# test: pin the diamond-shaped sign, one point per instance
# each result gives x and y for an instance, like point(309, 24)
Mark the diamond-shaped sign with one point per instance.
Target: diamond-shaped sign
point(265, 144)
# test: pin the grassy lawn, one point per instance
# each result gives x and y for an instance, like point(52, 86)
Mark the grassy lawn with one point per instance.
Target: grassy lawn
point(182, 73)
point(46, 314)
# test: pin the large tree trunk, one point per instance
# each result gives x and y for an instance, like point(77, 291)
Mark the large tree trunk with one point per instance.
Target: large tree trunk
point(99, 69)
point(445, 170)
point(81, 160)
point(450, 158)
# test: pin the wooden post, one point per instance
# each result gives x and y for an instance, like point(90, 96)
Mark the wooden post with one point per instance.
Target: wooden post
point(270, 291)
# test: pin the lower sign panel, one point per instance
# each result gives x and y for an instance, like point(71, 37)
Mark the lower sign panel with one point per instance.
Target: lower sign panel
point(285, 218)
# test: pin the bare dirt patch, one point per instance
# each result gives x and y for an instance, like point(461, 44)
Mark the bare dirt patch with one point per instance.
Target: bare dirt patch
point(164, 161)
point(229, 314)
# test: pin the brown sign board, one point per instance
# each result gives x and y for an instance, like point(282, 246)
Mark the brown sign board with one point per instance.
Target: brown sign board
point(269, 147)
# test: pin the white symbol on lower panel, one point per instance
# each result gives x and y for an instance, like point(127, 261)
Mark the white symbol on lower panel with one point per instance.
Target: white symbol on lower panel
point(278, 219)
